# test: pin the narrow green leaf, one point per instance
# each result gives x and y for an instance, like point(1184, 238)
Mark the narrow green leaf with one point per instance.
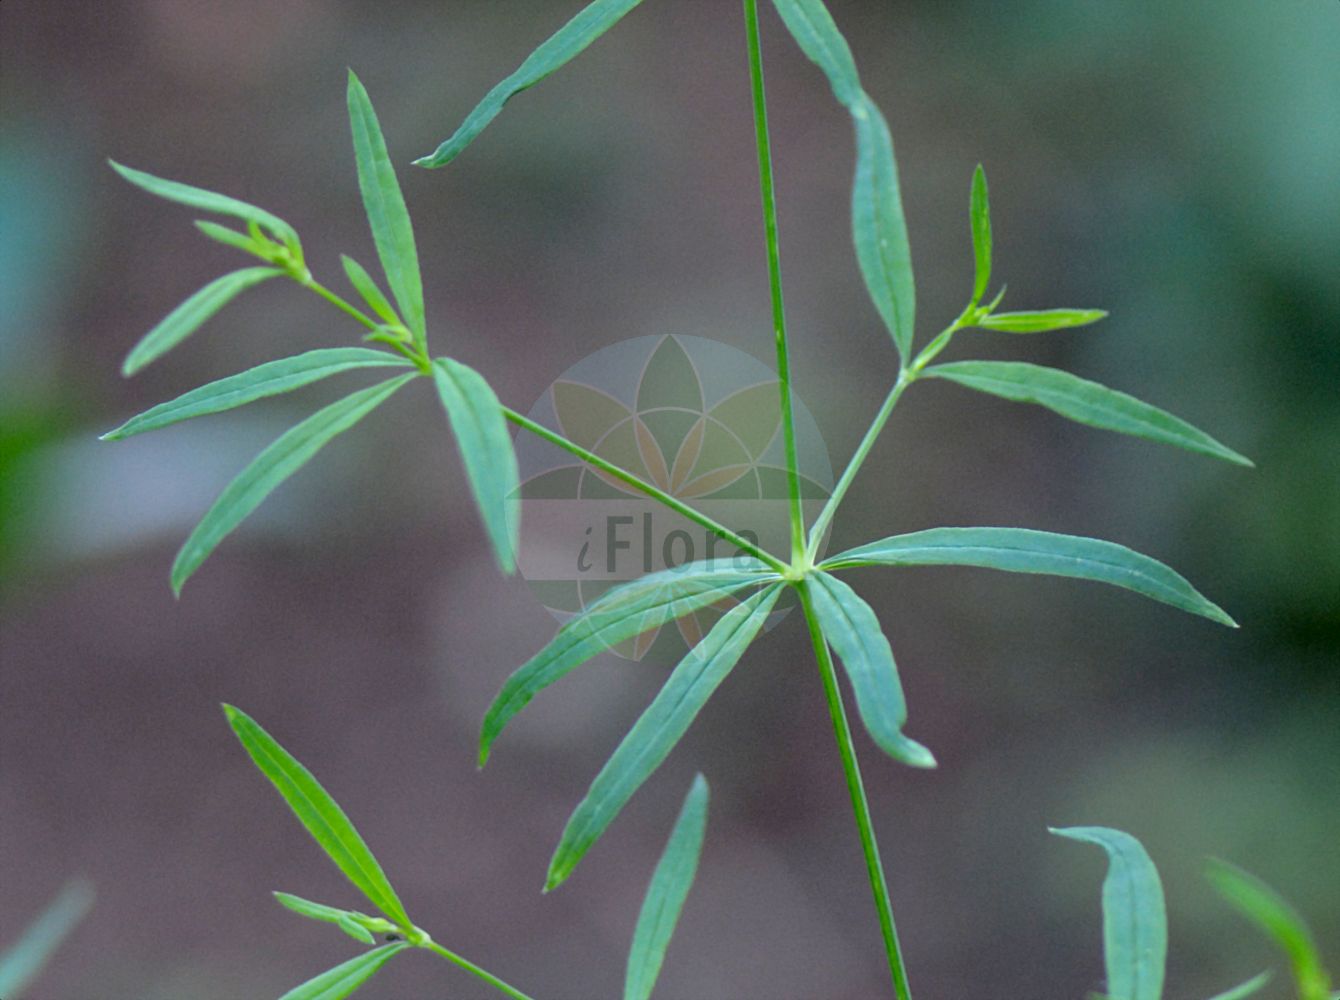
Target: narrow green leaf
point(1021, 550)
point(594, 20)
point(24, 959)
point(814, 30)
point(391, 229)
point(1041, 321)
point(850, 626)
point(878, 226)
point(879, 229)
point(229, 237)
point(345, 978)
point(1284, 925)
point(354, 929)
point(1135, 927)
point(1082, 401)
point(269, 379)
point(665, 896)
point(659, 728)
point(208, 201)
point(480, 428)
point(357, 925)
point(366, 287)
point(1250, 987)
point(319, 813)
point(290, 452)
point(191, 314)
point(619, 614)
point(310, 910)
point(979, 212)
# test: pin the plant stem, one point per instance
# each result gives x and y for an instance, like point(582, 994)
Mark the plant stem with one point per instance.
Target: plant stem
point(338, 302)
point(774, 273)
point(470, 967)
point(879, 887)
point(674, 503)
point(555, 438)
point(854, 466)
point(906, 377)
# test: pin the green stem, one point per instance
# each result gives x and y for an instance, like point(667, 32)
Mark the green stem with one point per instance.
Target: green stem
point(642, 486)
point(854, 466)
point(553, 437)
point(338, 302)
point(774, 273)
point(483, 974)
point(419, 357)
point(905, 378)
point(879, 887)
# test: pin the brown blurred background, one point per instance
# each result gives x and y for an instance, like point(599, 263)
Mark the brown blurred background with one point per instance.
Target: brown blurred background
point(1177, 164)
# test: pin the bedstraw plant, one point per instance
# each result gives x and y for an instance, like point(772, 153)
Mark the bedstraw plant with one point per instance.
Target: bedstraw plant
point(842, 626)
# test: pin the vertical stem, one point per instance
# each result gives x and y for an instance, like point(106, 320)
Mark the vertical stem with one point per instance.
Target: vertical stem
point(774, 273)
point(879, 887)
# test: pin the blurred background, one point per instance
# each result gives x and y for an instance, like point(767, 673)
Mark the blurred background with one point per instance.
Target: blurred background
point(1176, 164)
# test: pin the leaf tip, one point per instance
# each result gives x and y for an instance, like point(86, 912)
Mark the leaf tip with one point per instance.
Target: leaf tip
point(913, 754)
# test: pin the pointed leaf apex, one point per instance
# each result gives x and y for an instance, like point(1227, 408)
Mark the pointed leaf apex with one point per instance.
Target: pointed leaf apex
point(916, 755)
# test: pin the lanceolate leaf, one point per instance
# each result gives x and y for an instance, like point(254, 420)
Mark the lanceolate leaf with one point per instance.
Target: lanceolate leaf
point(619, 614)
point(345, 978)
point(660, 727)
point(385, 205)
point(979, 213)
point(666, 895)
point(1264, 907)
point(366, 287)
point(814, 30)
point(480, 428)
point(880, 232)
point(1020, 550)
point(1249, 988)
point(271, 467)
point(594, 20)
point(320, 814)
point(850, 626)
point(1135, 928)
point(208, 201)
point(269, 379)
point(878, 226)
point(23, 960)
point(191, 314)
point(308, 909)
point(1040, 322)
point(229, 237)
point(1082, 401)
point(354, 929)
point(352, 923)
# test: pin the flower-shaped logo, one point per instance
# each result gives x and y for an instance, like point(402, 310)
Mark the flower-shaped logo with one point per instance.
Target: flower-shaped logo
point(695, 418)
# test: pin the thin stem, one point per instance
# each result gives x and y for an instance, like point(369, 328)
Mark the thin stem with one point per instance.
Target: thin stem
point(674, 503)
point(854, 466)
point(879, 887)
point(483, 974)
point(339, 303)
point(553, 437)
point(411, 351)
point(774, 273)
point(906, 377)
